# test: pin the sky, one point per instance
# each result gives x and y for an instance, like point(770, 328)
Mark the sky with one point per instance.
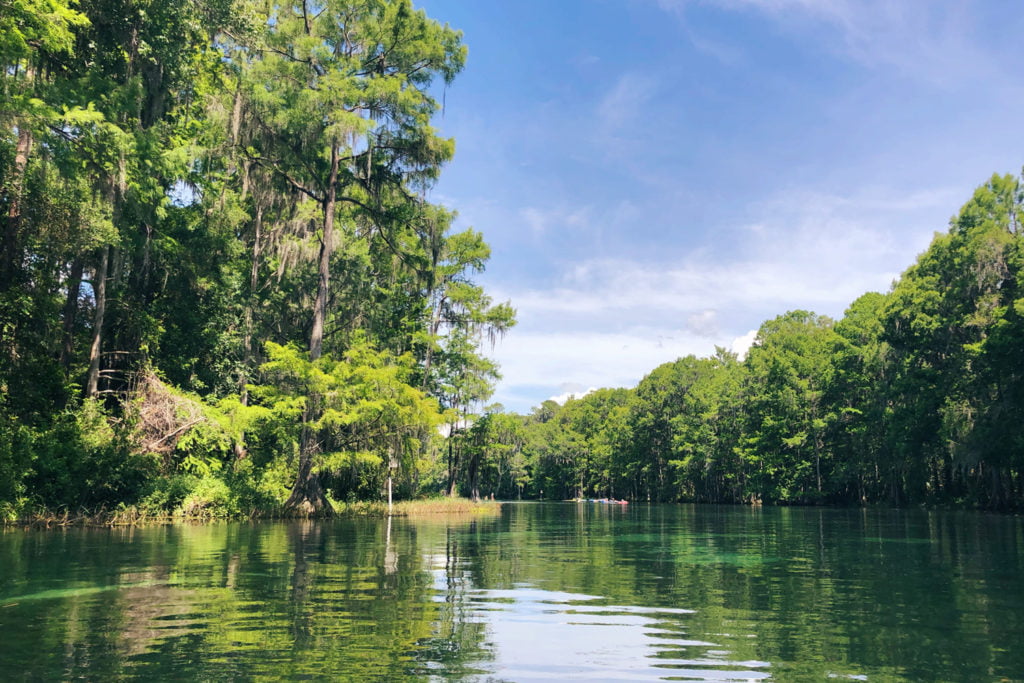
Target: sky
point(658, 177)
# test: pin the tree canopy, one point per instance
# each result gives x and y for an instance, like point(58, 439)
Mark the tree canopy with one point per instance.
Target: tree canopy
point(913, 397)
point(222, 281)
point(218, 244)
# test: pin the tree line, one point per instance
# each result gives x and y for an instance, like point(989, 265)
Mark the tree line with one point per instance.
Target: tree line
point(222, 284)
point(915, 396)
point(223, 289)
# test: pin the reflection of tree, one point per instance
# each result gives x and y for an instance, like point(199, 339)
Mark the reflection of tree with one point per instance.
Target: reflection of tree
point(224, 601)
point(458, 638)
point(303, 536)
point(885, 594)
point(390, 552)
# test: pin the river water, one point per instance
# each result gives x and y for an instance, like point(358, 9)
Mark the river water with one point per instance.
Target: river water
point(545, 591)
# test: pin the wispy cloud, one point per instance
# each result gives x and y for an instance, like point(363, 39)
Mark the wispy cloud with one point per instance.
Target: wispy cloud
point(608, 322)
point(930, 41)
point(543, 220)
point(589, 358)
point(622, 105)
point(703, 323)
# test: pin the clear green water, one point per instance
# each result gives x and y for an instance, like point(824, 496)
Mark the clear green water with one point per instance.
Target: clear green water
point(545, 592)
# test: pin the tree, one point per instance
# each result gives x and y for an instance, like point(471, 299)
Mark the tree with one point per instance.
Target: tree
point(659, 398)
point(341, 90)
point(494, 452)
point(790, 369)
point(954, 324)
point(707, 432)
point(371, 417)
point(860, 395)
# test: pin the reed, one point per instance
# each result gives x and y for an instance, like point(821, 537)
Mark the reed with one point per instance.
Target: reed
point(446, 506)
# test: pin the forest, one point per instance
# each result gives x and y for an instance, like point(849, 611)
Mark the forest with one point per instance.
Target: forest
point(222, 286)
point(914, 397)
point(225, 291)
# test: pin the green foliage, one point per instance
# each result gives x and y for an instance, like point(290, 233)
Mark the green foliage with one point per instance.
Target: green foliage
point(81, 461)
point(241, 190)
point(913, 397)
point(247, 181)
point(369, 415)
point(210, 497)
point(164, 495)
point(791, 365)
point(15, 465)
point(707, 433)
point(45, 25)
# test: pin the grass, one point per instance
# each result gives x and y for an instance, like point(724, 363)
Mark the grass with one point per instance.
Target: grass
point(419, 508)
point(446, 506)
point(128, 516)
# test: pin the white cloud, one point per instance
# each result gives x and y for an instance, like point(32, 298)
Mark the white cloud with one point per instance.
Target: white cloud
point(536, 220)
point(741, 345)
point(588, 358)
point(608, 322)
point(560, 399)
point(541, 221)
point(704, 323)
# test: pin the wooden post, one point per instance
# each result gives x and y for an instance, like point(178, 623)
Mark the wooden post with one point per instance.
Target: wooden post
point(392, 466)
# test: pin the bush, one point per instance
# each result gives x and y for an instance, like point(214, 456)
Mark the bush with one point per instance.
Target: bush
point(15, 460)
point(211, 497)
point(81, 461)
point(166, 494)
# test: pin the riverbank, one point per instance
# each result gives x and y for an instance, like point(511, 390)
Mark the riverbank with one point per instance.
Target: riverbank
point(137, 516)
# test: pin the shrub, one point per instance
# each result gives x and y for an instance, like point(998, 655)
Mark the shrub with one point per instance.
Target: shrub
point(211, 497)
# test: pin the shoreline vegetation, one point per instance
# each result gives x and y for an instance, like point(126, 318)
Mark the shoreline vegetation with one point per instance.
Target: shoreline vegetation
point(133, 516)
point(224, 289)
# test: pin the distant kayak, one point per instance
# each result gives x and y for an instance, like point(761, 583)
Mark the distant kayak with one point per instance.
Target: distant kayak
point(606, 501)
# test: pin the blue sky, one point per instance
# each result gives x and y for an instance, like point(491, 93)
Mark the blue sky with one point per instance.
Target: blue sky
point(658, 177)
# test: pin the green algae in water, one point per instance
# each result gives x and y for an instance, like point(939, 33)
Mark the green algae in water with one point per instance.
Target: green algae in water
point(69, 592)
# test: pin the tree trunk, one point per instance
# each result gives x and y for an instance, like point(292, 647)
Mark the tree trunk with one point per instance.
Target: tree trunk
point(452, 462)
point(307, 497)
point(435, 325)
point(254, 270)
point(243, 380)
point(474, 478)
point(316, 337)
point(71, 313)
point(9, 255)
point(100, 290)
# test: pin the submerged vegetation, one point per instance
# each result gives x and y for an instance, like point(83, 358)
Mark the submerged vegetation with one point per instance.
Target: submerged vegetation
point(224, 293)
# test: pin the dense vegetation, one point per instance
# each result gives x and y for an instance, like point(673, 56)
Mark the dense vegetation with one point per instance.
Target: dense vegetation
point(913, 397)
point(222, 287)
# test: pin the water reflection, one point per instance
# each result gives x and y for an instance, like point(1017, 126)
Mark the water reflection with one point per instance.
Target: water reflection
point(550, 634)
point(542, 592)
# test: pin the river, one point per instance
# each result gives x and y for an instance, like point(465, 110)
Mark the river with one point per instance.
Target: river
point(545, 591)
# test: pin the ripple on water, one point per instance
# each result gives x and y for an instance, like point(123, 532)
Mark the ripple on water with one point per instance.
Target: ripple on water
point(536, 634)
